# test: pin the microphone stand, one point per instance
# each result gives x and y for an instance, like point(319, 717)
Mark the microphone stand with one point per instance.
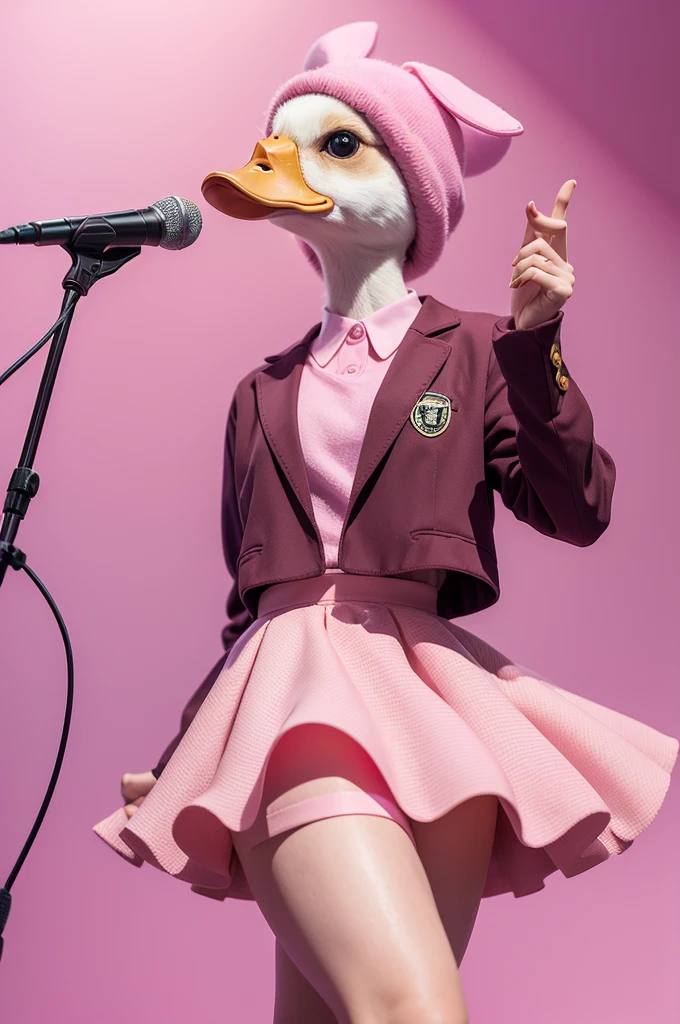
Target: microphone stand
point(88, 266)
point(90, 262)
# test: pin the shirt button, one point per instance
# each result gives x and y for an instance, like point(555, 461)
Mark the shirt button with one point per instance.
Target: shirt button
point(357, 332)
point(351, 369)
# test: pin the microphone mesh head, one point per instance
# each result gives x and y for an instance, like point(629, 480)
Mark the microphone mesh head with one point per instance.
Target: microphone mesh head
point(182, 222)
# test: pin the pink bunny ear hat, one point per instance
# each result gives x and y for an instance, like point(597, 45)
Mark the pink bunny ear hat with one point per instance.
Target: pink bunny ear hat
point(436, 128)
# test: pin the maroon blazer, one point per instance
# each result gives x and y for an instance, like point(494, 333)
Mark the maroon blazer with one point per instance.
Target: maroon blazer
point(417, 501)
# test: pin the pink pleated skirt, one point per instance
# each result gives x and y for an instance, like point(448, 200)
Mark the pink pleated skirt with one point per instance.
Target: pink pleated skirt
point(439, 714)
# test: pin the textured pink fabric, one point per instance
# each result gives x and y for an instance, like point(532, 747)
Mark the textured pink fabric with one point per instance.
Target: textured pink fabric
point(443, 715)
point(346, 364)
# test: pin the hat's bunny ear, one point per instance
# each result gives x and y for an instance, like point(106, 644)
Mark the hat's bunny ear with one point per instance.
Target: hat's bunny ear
point(349, 42)
point(487, 129)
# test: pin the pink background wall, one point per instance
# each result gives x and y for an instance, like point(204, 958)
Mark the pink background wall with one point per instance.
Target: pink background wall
point(109, 106)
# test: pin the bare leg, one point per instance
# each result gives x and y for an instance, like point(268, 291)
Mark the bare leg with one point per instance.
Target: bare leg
point(297, 1001)
point(455, 851)
point(349, 901)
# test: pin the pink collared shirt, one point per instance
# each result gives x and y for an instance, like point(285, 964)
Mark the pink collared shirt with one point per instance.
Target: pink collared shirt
point(345, 366)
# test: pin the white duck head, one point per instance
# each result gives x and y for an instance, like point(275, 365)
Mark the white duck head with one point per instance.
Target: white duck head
point(363, 162)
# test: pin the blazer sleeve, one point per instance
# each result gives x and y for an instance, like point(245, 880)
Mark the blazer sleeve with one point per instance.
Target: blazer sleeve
point(238, 617)
point(540, 449)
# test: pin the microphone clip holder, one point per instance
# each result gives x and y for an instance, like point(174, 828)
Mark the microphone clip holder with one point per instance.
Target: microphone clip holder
point(91, 261)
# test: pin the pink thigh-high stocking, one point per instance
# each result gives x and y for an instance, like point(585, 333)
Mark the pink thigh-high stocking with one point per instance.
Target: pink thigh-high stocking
point(314, 772)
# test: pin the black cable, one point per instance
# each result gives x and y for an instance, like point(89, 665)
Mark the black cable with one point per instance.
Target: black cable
point(87, 267)
point(5, 897)
point(32, 351)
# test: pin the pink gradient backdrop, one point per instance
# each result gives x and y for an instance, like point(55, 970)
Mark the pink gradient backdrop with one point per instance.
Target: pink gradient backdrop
point(114, 106)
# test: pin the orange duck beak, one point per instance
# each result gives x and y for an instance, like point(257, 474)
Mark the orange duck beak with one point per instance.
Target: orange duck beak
point(271, 180)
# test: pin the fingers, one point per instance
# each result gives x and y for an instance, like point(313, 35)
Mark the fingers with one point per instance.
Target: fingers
point(134, 784)
point(133, 807)
point(539, 225)
point(554, 228)
point(542, 246)
point(550, 229)
point(543, 257)
point(563, 271)
point(541, 222)
point(557, 220)
point(519, 275)
point(562, 200)
point(554, 285)
point(134, 787)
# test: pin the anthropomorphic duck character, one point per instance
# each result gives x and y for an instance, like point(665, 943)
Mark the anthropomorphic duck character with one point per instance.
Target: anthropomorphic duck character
point(356, 761)
point(365, 163)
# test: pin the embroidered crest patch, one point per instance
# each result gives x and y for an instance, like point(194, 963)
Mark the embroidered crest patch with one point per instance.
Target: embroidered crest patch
point(431, 414)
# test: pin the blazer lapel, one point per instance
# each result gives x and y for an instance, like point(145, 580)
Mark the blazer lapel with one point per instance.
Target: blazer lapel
point(418, 359)
point(277, 397)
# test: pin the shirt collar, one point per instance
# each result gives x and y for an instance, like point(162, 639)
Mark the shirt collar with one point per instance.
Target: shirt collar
point(385, 328)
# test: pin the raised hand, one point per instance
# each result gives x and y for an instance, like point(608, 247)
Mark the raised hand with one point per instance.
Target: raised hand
point(134, 787)
point(542, 280)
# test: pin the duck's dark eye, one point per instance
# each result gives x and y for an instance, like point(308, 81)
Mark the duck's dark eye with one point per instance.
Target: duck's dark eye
point(342, 144)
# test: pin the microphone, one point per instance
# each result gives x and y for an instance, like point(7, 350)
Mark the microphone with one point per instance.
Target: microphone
point(172, 223)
